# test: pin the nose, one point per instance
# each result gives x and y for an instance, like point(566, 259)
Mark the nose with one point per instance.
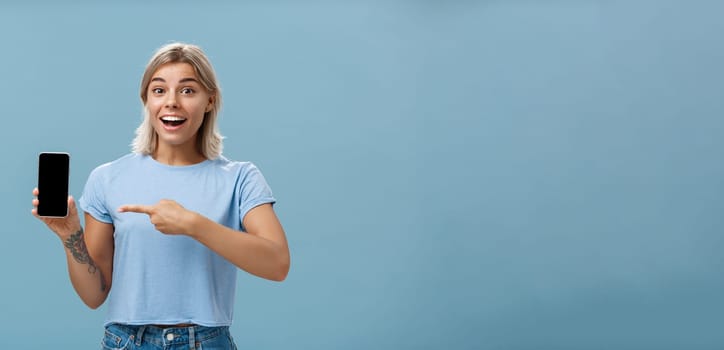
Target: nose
point(171, 101)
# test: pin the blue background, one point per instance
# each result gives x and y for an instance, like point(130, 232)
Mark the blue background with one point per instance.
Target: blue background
point(451, 175)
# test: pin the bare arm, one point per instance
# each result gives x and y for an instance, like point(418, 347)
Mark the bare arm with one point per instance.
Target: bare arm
point(262, 252)
point(100, 246)
point(89, 269)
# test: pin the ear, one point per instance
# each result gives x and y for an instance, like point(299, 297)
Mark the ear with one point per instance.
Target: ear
point(210, 106)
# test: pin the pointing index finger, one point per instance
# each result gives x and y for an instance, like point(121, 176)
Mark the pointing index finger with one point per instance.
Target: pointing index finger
point(135, 208)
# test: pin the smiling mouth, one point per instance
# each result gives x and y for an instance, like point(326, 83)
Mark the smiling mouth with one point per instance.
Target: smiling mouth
point(172, 121)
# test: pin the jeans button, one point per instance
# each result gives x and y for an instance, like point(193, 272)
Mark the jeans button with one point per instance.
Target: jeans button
point(169, 336)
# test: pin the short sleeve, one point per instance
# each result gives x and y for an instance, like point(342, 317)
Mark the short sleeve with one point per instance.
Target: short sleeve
point(253, 190)
point(93, 199)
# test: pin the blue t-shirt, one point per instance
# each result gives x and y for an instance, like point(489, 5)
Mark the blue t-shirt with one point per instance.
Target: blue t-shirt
point(171, 279)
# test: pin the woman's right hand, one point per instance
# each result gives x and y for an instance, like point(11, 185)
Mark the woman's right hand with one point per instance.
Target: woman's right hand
point(63, 227)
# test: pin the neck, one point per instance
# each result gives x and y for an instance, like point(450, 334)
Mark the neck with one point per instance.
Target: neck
point(177, 156)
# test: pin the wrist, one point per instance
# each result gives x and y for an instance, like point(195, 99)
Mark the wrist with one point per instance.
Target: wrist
point(68, 235)
point(195, 223)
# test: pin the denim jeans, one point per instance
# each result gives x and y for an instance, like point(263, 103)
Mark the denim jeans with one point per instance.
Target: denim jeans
point(122, 337)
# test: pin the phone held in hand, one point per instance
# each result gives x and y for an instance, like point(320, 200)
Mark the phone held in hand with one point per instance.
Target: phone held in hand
point(53, 177)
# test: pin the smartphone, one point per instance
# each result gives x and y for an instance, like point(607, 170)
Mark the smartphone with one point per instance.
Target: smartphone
point(53, 174)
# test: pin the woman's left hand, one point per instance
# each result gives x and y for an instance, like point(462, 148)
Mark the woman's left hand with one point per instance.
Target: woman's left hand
point(167, 216)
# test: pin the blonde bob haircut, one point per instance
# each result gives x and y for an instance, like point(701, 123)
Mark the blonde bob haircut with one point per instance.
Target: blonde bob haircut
point(208, 139)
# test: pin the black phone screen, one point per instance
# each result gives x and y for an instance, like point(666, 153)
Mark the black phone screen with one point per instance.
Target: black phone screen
point(53, 172)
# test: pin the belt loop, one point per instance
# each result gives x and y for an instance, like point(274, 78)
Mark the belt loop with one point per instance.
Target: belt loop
point(192, 338)
point(139, 335)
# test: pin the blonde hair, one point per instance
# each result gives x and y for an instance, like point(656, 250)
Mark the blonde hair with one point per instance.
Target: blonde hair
point(209, 140)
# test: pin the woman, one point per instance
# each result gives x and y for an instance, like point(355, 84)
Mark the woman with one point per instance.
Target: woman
point(167, 226)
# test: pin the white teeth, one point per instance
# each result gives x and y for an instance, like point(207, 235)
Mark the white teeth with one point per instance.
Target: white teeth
point(172, 119)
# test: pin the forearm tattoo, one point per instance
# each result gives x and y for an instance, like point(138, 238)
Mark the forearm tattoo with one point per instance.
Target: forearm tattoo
point(76, 244)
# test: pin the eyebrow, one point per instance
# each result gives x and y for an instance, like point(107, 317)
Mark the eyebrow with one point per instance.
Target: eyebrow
point(184, 80)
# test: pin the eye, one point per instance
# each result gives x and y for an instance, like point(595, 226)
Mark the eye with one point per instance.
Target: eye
point(157, 90)
point(187, 91)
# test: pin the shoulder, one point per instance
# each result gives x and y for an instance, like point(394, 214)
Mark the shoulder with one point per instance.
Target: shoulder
point(234, 166)
point(115, 166)
point(246, 175)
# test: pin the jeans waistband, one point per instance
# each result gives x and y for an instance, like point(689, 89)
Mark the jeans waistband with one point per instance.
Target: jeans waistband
point(164, 335)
